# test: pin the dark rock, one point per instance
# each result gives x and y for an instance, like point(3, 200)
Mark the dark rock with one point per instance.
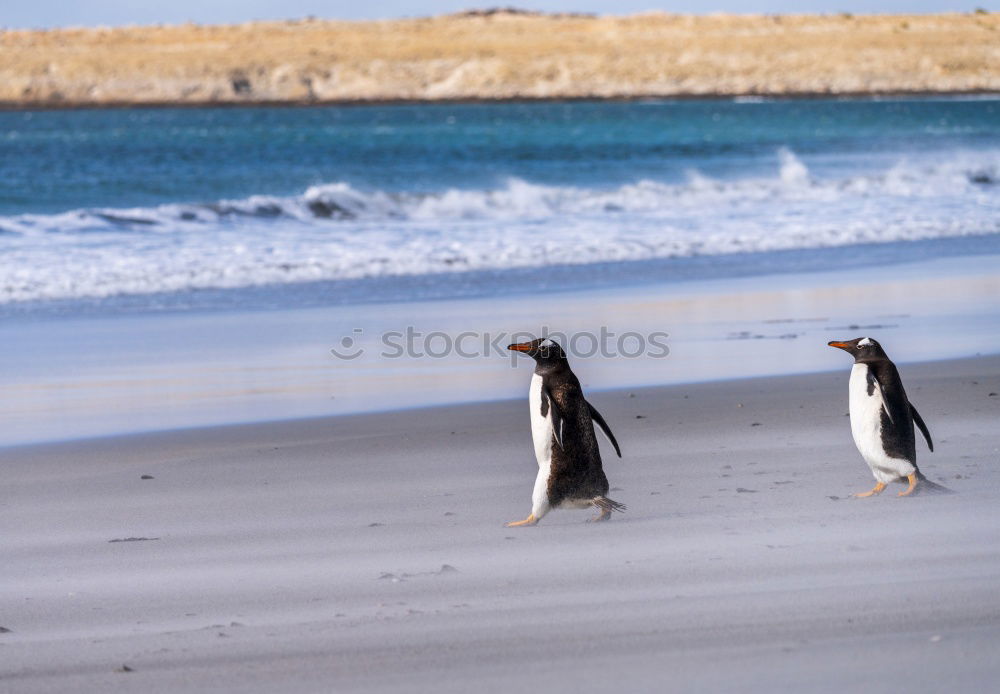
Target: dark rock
point(240, 84)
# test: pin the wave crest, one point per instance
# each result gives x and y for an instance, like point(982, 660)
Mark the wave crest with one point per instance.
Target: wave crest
point(337, 231)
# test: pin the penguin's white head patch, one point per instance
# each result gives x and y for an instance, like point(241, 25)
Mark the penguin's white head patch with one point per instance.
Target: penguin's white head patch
point(865, 342)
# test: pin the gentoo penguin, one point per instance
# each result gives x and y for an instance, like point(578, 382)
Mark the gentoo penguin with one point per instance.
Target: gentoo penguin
point(882, 418)
point(570, 474)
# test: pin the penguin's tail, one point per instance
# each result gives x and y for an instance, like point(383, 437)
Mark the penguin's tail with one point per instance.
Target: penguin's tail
point(928, 487)
point(608, 505)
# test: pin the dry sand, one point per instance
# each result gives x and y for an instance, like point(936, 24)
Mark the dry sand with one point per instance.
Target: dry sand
point(367, 553)
point(501, 56)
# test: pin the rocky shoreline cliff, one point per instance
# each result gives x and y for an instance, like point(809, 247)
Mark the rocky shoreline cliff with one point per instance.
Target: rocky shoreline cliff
point(501, 55)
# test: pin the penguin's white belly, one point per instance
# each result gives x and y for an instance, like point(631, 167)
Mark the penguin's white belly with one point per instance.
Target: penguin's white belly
point(866, 428)
point(541, 436)
point(541, 427)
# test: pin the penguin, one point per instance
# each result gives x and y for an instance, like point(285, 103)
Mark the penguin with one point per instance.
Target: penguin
point(882, 419)
point(570, 474)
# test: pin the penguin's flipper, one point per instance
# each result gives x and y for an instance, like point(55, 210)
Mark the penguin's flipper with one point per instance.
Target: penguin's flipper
point(554, 415)
point(919, 421)
point(873, 385)
point(596, 416)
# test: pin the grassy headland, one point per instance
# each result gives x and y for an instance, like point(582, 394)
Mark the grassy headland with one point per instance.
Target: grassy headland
point(501, 55)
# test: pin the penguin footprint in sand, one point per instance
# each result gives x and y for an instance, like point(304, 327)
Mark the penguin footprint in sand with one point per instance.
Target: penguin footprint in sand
point(882, 419)
point(570, 474)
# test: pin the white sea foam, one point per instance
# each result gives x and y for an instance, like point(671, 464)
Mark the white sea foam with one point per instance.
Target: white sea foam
point(337, 231)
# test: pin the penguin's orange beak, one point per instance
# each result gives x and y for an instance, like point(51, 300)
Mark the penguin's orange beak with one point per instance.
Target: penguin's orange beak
point(520, 347)
point(841, 345)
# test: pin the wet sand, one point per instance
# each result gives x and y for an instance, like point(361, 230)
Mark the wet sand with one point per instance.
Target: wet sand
point(83, 376)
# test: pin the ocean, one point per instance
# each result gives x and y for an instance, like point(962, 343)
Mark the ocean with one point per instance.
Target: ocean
point(145, 210)
point(164, 268)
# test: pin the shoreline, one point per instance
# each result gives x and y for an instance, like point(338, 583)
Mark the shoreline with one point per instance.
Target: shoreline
point(649, 274)
point(973, 94)
point(444, 409)
point(178, 369)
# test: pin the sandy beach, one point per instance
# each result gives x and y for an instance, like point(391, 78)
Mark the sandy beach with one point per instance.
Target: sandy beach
point(368, 553)
point(500, 55)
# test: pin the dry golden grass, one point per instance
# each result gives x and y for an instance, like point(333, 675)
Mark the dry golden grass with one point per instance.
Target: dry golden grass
point(502, 56)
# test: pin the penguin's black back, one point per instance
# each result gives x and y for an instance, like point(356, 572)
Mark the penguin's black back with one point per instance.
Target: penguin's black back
point(577, 471)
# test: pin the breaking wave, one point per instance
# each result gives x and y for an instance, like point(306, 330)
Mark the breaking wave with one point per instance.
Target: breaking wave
point(336, 231)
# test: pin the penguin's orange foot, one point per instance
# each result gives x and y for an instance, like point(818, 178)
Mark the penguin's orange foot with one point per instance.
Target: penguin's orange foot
point(530, 520)
point(913, 485)
point(876, 490)
point(604, 515)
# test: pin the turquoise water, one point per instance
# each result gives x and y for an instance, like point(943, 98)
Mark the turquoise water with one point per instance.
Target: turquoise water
point(141, 209)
